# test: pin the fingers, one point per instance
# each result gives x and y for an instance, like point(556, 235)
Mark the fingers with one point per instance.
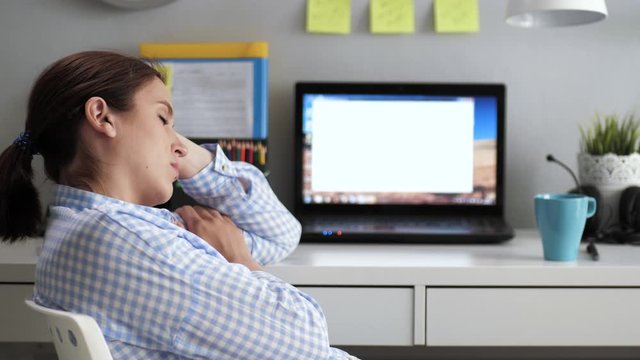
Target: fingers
point(189, 215)
point(194, 214)
point(228, 219)
point(208, 213)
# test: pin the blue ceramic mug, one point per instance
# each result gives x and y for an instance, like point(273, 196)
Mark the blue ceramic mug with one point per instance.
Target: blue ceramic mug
point(561, 219)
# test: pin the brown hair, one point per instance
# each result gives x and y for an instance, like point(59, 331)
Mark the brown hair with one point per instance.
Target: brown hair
point(55, 111)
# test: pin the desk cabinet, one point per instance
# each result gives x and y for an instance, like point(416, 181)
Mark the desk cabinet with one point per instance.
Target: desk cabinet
point(497, 295)
point(17, 322)
point(533, 317)
point(482, 316)
point(367, 315)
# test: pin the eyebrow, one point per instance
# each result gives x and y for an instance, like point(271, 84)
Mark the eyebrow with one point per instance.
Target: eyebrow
point(166, 103)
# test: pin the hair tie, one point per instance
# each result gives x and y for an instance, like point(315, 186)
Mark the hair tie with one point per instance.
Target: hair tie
point(24, 142)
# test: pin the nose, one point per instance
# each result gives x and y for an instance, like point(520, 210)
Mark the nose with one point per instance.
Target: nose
point(179, 148)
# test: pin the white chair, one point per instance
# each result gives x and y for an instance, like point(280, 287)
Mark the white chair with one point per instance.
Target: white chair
point(75, 336)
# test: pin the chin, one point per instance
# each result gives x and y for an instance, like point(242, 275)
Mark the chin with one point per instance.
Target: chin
point(167, 195)
point(162, 196)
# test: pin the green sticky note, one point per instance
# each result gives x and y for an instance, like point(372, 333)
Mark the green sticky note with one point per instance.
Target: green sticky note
point(329, 16)
point(456, 16)
point(392, 17)
point(167, 71)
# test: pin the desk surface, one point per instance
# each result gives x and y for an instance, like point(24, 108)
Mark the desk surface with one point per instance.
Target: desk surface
point(517, 262)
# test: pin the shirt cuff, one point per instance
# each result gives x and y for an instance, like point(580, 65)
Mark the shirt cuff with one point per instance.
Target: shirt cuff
point(220, 165)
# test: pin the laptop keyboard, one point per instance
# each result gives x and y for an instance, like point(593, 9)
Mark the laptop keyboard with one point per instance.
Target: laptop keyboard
point(408, 224)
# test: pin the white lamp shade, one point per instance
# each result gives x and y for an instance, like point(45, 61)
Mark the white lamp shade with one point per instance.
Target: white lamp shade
point(554, 13)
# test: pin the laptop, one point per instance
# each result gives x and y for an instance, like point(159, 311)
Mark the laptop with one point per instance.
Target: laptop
point(400, 162)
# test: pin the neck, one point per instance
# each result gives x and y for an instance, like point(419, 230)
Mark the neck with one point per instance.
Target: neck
point(107, 181)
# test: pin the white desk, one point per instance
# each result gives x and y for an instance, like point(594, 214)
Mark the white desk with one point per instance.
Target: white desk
point(471, 295)
point(433, 295)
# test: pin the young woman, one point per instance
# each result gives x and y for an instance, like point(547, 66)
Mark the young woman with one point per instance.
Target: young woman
point(162, 285)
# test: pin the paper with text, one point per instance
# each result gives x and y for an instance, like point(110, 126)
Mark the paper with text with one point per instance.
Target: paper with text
point(212, 99)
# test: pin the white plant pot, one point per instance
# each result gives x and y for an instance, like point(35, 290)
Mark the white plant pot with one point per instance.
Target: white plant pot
point(611, 174)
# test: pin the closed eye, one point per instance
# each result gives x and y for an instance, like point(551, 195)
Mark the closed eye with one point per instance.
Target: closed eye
point(163, 119)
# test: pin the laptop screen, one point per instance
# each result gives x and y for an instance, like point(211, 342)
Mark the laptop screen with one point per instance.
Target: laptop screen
point(425, 145)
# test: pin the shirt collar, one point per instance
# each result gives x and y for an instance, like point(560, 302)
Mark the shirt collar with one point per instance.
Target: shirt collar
point(78, 199)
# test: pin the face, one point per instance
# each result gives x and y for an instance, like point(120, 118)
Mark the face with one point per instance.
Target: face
point(148, 146)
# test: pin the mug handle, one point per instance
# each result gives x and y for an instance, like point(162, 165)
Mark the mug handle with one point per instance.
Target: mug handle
point(591, 206)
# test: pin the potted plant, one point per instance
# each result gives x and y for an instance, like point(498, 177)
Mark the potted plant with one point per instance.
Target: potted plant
point(610, 160)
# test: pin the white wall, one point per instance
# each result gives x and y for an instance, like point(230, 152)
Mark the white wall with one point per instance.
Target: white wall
point(556, 78)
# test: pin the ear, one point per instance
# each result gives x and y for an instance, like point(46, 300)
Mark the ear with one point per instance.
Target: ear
point(99, 116)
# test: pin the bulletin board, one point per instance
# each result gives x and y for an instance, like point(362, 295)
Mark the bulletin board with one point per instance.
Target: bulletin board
point(219, 93)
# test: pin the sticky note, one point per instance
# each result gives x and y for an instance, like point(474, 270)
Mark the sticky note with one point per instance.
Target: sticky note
point(167, 71)
point(329, 16)
point(456, 16)
point(392, 17)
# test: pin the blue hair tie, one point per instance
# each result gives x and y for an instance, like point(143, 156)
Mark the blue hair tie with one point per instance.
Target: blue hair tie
point(24, 142)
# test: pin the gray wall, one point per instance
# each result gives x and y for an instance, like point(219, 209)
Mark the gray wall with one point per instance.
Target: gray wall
point(556, 78)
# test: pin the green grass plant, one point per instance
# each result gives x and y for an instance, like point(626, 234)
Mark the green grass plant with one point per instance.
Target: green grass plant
point(610, 134)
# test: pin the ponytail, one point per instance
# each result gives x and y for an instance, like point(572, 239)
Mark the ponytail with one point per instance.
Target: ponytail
point(20, 211)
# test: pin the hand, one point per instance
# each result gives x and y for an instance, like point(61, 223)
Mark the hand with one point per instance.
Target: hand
point(196, 159)
point(220, 232)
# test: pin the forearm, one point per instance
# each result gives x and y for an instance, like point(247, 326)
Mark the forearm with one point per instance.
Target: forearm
point(240, 191)
point(273, 313)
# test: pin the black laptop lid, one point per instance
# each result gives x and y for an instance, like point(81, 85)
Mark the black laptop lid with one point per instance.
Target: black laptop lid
point(391, 148)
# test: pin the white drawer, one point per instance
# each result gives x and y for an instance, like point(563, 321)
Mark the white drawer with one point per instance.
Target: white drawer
point(18, 323)
point(533, 317)
point(366, 316)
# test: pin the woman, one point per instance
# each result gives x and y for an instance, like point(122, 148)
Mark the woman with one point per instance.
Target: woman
point(181, 285)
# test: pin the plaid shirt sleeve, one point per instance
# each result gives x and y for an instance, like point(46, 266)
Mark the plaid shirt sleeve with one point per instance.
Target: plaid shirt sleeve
point(241, 191)
point(252, 315)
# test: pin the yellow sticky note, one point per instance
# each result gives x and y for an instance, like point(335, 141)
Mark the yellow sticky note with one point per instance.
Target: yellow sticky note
point(329, 16)
point(167, 71)
point(456, 16)
point(392, 17)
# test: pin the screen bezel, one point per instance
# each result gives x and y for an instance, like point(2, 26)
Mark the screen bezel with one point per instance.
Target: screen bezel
point(430, 89)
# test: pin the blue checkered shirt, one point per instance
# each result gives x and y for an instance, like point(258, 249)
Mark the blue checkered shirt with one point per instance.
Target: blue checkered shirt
point(160, 292)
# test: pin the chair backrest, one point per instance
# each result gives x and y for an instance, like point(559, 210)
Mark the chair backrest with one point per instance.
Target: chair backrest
point(75, 336)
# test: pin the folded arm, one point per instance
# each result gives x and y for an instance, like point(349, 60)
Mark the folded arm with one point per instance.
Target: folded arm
point(240, 191)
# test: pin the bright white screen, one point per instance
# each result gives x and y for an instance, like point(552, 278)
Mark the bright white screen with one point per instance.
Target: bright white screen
point(392, 146)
